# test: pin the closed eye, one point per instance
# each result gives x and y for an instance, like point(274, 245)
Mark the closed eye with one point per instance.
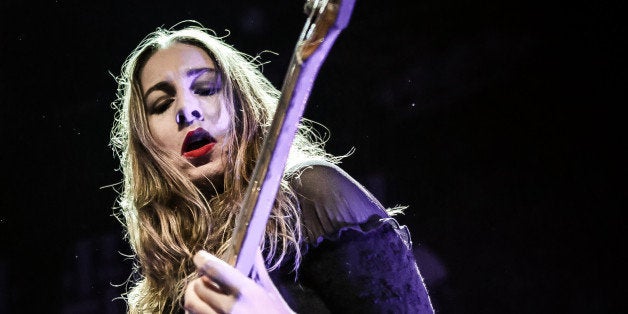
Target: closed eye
point(207, 83)
point(161, 106)
point(206, 91)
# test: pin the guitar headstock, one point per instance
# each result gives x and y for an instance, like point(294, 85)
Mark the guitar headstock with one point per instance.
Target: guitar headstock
point(324, 18)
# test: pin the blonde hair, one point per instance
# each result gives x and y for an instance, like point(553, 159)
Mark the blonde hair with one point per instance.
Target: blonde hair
point(167, 217)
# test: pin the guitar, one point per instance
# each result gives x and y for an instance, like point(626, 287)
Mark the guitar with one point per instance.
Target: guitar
point(326, 19)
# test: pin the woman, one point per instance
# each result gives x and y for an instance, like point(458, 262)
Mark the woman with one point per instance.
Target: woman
point(192, 114)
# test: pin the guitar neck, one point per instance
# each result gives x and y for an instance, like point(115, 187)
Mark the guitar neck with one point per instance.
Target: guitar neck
point(325, 22)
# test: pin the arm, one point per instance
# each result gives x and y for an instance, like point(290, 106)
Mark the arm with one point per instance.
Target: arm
point(358, 258)
point(366, 271)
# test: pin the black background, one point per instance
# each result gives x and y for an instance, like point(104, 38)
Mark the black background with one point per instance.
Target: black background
point(498, 124)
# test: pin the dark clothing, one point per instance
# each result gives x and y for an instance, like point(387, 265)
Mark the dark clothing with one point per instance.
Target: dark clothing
point(356, 258)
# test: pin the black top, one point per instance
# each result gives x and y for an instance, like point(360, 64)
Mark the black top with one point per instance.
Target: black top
point(356, 258)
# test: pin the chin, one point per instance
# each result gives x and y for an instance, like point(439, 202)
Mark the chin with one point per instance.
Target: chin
point(208, 175)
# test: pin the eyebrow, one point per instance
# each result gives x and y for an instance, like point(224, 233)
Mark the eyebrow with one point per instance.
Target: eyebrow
point(198, 71)
point(166, 87)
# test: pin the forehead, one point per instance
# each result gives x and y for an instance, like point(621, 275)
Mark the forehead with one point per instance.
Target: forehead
point(173, 62)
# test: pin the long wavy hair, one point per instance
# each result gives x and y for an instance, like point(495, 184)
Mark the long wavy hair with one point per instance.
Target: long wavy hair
point(166, 216)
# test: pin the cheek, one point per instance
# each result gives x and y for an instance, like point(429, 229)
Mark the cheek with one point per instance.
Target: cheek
point(221, 120)
point(222, 127)
point(159, 130)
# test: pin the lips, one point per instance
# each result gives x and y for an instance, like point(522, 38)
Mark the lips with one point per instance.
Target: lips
point(197, 143)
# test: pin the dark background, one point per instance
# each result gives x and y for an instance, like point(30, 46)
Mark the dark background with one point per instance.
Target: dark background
point(498, 124)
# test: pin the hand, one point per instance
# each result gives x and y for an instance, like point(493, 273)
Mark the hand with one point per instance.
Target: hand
point(223, 289)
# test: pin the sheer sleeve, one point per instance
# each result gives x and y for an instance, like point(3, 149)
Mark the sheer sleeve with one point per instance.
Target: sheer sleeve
point(332, 201)
point(357, 259)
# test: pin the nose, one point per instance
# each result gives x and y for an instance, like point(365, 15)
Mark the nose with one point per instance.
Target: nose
point(188, 115)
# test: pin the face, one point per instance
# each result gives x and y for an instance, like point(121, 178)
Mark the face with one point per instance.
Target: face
point(186, 115)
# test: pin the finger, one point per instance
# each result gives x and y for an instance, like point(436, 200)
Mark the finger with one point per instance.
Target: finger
point(227, 277)
point(193, 303)
point(215, 298)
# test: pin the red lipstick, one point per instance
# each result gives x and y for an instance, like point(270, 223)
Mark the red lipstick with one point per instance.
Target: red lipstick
point(199, 151)
point(197, 143)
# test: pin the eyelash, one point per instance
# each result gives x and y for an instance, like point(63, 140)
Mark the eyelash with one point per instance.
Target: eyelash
point(206, 91)
point(164, 105)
